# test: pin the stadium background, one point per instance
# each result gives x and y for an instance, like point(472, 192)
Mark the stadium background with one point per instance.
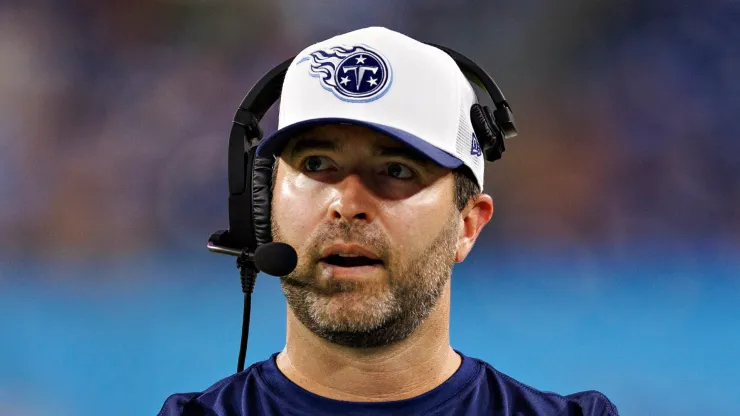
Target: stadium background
point(611, 262)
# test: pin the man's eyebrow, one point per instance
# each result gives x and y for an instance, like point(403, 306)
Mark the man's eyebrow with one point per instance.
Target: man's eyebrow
point(403, 152)
point(313, 144)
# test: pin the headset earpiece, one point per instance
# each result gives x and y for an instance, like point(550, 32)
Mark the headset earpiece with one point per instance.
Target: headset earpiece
point(241, 232)
point(488, 133)
point(505, 120)
point(491, 128)
point(262, 198)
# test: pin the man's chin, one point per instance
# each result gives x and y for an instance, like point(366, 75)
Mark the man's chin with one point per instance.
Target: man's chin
point(352, 332)
point(356, 308)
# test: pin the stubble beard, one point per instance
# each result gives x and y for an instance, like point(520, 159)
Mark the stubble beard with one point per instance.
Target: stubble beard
point(361, 315)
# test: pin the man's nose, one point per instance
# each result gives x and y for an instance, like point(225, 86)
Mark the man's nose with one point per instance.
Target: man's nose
point(354, 201)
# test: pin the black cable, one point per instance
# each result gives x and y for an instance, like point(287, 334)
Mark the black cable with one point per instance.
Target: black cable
point(248, 275)
point(245, 332)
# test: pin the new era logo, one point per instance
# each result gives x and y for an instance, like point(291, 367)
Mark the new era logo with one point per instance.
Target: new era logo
point(475, 149)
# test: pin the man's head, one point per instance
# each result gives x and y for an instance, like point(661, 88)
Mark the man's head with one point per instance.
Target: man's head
point(377, 183)
point(347, 189)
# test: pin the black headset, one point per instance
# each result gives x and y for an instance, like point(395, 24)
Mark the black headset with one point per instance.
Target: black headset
point(250, 176)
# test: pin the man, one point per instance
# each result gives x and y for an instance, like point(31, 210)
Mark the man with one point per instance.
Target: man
point(377, 185)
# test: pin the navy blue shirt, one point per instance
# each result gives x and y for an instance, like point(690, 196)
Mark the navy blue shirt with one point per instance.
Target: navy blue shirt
point(475, 388)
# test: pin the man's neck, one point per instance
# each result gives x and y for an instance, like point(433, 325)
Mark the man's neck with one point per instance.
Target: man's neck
point(403, 370)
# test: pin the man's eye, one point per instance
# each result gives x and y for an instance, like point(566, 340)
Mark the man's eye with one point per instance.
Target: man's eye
point(316, 163)
point(399, 171)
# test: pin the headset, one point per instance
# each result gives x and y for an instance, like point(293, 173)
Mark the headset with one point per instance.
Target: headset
point(250, 176)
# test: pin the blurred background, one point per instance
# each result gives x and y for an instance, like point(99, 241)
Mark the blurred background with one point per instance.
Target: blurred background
point(612, 262)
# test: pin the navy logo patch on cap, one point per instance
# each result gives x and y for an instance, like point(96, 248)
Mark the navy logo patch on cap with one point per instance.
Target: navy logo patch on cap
point(357, 74)
point(475, 149)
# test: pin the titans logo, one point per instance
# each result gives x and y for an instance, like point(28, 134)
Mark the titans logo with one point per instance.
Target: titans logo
point(357, 74)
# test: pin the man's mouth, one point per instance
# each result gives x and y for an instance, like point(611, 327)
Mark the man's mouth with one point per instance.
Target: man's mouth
point(350, 260)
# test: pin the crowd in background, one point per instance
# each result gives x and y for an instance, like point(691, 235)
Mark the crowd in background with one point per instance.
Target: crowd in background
point(114, 115)
point(611, 261)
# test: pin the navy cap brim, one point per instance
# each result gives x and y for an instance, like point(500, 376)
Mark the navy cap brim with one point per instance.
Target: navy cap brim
point(274, 143)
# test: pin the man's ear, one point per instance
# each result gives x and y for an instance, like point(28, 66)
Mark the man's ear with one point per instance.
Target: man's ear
point(473, 218)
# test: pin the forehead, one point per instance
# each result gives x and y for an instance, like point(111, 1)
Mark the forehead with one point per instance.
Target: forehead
point(350, 138)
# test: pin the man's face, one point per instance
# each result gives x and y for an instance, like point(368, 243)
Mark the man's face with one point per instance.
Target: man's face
point(344, 191)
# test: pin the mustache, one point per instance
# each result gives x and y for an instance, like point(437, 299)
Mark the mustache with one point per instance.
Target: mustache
point(370, 237)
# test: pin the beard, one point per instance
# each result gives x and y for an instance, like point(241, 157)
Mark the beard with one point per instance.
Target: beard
point(362, 314)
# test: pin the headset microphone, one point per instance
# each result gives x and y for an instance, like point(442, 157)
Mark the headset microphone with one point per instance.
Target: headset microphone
point(276, 259)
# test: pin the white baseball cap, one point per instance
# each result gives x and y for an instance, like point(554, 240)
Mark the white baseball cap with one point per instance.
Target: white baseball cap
point(385, 81)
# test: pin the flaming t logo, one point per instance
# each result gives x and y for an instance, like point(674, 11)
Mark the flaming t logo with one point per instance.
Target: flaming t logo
point(356, 74)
